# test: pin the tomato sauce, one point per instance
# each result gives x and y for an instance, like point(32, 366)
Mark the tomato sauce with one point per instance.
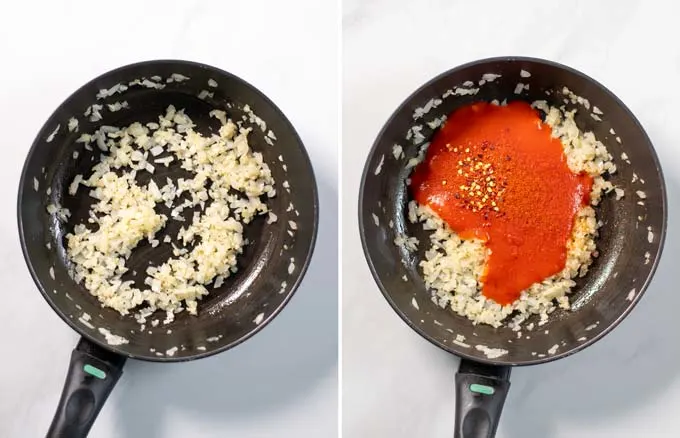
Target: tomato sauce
point(496, 174)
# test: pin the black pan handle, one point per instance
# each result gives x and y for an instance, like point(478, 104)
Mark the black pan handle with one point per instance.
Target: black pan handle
point(92, 374)
point(480, 395)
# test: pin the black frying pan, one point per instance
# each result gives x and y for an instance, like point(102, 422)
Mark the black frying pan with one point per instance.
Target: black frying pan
point(600, 300)
point(230, 314)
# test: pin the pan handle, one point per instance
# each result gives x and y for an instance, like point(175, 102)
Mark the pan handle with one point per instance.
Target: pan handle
point(480, 395)
point(92, 374)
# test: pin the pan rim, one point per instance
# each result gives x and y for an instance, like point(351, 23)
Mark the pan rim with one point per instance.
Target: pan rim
point(304, 265)
point(460, 352)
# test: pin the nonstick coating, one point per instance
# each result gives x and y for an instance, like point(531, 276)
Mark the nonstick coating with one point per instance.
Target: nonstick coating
point(262, 284)
point(599, 300)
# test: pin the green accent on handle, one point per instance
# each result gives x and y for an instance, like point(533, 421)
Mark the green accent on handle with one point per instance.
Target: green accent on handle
point(93, 371)
point(482, 389)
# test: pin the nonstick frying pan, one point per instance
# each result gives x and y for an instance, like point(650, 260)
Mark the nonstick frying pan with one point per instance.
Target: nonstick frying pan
point(629, 244)
point(269, 270)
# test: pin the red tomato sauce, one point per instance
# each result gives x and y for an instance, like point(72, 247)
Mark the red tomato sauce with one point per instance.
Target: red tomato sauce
point(496, 174)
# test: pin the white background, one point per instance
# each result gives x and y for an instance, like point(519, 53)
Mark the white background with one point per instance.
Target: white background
point(282, 382)
point(396, 384)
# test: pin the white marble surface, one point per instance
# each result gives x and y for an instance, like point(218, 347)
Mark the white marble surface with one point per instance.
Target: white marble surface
point(395, 384)
point(282, 382)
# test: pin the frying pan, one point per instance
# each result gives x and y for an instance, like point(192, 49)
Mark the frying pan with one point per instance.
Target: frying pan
point(630, 240)
point(269, 270)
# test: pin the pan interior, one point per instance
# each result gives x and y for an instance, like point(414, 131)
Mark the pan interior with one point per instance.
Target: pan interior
point(248, 299)
point(615, 280)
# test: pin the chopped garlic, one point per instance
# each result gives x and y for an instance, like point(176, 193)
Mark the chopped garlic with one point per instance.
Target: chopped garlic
point(73, 188)
point(72, 124)
point(51, 136)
